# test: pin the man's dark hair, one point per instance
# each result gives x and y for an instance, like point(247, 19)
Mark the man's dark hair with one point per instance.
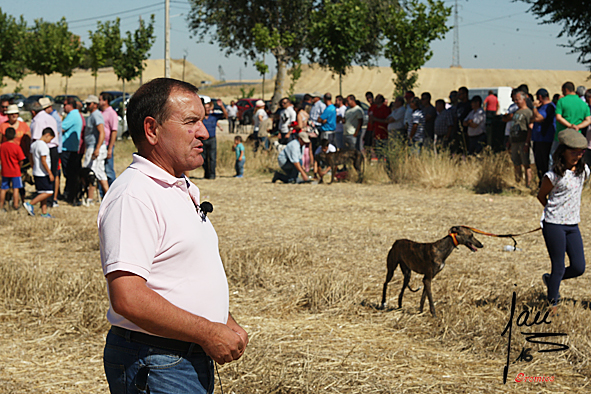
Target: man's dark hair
point(416, 101)
point(523, 88)
point(477, 99)
point(568, 86)
point(107, 97)
point(427, 95)
point(327, 97)
point(370, 94)
point(48, 130)
point(324, 143)
point(352, 97)
point(560, 166)
point(463, 89)
point(151, 99)
point(440, 101)
point(71, 101)
point(10, 133)
point(238, 138)
point(307, 97)
point(339, 97)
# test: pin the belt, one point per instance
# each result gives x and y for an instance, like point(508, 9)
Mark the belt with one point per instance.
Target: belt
point(159, 342)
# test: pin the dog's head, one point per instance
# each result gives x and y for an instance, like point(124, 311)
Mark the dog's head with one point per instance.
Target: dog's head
point(464, 236)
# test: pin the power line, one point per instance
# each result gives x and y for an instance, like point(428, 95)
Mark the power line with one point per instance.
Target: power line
point(114, 14)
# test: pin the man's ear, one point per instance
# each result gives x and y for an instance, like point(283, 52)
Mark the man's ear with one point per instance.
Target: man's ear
point(151, 130)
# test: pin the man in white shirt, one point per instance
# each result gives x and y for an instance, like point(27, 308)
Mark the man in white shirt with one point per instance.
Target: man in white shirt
point(232, 110)
point(338, 132)
point(288, 116)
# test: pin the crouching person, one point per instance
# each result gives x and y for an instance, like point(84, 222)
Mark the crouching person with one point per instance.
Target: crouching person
point(290, 159)
point(168, 293)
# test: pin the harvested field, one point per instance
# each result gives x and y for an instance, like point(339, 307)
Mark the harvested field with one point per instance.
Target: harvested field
point(306, 265)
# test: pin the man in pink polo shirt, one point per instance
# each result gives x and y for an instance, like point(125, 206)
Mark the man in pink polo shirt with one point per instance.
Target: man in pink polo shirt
point(168, 293)
point(111, 124)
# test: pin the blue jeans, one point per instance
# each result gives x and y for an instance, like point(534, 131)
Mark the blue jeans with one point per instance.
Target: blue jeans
point(561, 238)
point(170, 372)
point(239, 167)
point(110, 168)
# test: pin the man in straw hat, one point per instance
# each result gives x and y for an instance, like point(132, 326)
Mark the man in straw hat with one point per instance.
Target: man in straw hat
point(168, 293)
point(42, 119)
point(289, 160)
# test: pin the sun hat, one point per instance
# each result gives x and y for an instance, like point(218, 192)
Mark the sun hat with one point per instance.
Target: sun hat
point(12, 109)
point(45, 102)
point(91, 99)
point(260, 103)
point(572, 139)
point(304, 137)
point(205, 99)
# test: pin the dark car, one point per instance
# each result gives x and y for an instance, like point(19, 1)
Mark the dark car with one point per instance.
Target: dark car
point(243, 105)
point(116, 94)
point(117, 105)
point(32, 99)
point(216, 108)
point(14, 98)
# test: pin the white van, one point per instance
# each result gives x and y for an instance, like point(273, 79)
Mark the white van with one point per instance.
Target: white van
point(503, 93)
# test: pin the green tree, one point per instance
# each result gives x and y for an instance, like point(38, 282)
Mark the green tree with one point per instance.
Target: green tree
point(252, 27)
point(12, 54)
point(72, 52)
point(340, 35)
point(263, 69)
point(97, 52)
point(409, 31)
point(574, 17)
point(129, 64)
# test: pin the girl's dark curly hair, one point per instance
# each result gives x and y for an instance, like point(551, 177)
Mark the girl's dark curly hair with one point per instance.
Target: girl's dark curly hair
point(559, 166)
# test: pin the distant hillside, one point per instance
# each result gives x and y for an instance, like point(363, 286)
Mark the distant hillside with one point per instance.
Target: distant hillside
point(82, 82)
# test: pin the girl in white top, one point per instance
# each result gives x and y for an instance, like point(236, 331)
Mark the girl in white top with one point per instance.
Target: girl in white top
point(560, 194)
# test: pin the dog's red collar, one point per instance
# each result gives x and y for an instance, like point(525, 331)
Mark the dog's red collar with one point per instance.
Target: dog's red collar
point(454, 238)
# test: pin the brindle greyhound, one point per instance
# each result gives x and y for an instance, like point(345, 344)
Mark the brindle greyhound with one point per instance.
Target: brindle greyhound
point(344, 156)
point(425, 258)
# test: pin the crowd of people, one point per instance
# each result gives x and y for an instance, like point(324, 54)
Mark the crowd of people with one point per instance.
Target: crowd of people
point(55, 145)
point(462, 125)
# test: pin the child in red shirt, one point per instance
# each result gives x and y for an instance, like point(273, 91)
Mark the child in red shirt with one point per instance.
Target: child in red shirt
point(11, 158)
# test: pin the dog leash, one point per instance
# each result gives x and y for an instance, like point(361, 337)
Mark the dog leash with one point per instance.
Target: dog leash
point(512, 236)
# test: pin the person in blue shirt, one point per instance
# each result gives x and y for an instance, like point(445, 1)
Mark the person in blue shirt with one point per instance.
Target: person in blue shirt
point(210, 145)
point(240, 158)
point(290, 158)
point(543, 132)
point(70, 158)
point(328, 119)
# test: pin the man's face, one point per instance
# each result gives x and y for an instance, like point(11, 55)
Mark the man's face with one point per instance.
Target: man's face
point(338, 101)
point(424, 101)
point(92, 106)
point(232, 103)
point(208, 108)
point(439, 107)
point(68, 107)
point(462, 95)
point(351, 102)
point(103, 104)
point(3, 106)
point(475, 105)
point(12, 118)
point(180, 137)
point(369, 99)
point(519, 100)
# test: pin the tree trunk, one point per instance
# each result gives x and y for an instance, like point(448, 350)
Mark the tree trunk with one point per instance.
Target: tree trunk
point(67, 85)
point(279, 78)
point(341, 83)
point(95, 78)
point(123, 99)
point(43, 85)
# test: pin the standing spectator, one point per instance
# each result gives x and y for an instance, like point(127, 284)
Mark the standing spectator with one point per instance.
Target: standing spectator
point(111, 124)
point(543, 131)
point(396, 118)
point(240, 158)
point(368, 138)
point(290, 158)
point(581, 93)
point(560, 194)
point(23, 132)
point(210, 122)
point(327, 120)
point(444, 124)
point(491, 105)
point(430, 113)
point(259, 117)
point(408, 96)
point(353, 121)
point(341, 109)
point(42, 174)
point(571, 112)
point(318, 108)
point(53, 202)
point(588, 151)
point(463, 108)
point(379, 118)
point(508, 118)
point(70, 158)
point(41, 120)
point(232, 111)
point(3, 107)
point(168, 294)
point(11, 158)
point(287, 118)
point(520, 138)
point(307, 103)
point(416, 130)
point(475, 124)
point(96, 149)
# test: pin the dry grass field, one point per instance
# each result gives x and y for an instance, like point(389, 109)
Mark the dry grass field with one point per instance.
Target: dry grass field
point(306, 265)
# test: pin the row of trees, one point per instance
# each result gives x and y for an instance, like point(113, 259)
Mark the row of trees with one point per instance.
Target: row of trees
point(334, 34)
point(46, 48)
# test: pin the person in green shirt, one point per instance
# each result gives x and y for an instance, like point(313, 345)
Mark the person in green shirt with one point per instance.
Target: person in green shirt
point(571, 111)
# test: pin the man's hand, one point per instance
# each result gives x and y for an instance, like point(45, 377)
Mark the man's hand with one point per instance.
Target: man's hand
point(95, 154)
point(109, 153)
point(225, 344)
point(51, 177)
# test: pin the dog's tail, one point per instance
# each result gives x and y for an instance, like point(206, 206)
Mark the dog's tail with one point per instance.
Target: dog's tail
point(414, 291)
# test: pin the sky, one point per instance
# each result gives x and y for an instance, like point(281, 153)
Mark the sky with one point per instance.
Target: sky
point(492, 34)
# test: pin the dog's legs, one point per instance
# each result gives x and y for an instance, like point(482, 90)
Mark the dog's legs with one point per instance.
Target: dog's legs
point(333, 169)
point(427, 283)
point(406, 272)
point(423, 296)
point(392, 264)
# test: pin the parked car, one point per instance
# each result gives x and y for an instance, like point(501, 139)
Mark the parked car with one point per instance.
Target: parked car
point(116, 93)
point(248, 115)
point(32, 99)
point(243, 105)
point(117, 104)
point(14, 98)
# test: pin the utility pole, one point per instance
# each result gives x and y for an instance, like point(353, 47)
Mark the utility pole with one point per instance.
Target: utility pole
point(184, 60)
point(167, 39)
point(455, 59)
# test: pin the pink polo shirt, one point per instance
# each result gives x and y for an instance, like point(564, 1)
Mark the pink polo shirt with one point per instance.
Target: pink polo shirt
point(148, 225)
point(111, 123)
